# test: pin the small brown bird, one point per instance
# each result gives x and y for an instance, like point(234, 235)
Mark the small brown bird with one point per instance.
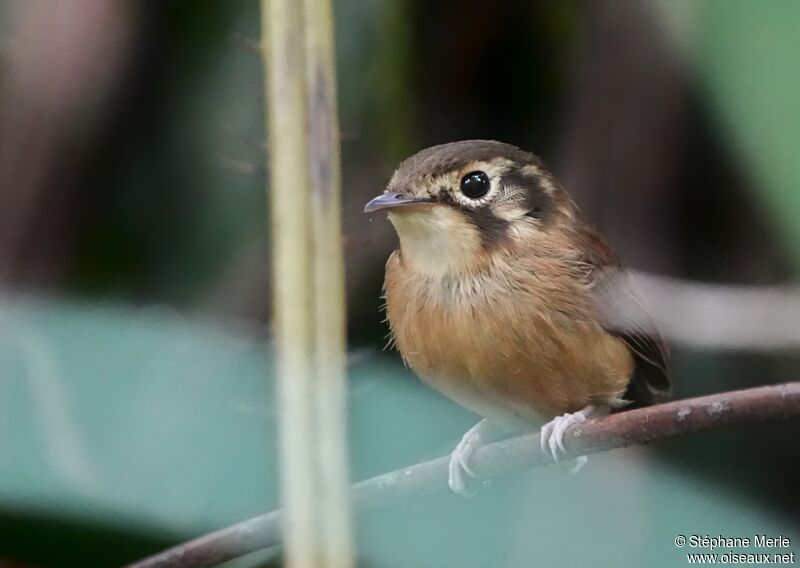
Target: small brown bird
point(504, 299)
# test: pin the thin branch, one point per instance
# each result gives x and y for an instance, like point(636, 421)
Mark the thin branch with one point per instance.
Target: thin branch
point(641, 426)
point(723, 317)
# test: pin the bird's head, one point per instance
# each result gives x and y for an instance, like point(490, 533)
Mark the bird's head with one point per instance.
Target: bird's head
point(453, 204)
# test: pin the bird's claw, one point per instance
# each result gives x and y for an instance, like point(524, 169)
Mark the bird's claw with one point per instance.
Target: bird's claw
point(459, 467)
point(552, 437)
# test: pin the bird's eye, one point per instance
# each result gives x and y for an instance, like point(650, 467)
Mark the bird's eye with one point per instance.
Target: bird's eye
point(475, 185)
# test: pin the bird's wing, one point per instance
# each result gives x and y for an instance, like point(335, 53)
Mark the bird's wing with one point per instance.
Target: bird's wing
point(623, 313)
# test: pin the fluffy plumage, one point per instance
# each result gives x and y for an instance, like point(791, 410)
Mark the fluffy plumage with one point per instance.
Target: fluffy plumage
point(511, 304)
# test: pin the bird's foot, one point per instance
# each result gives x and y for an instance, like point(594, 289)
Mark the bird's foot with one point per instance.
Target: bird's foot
point(460, 469)
point(552, 437)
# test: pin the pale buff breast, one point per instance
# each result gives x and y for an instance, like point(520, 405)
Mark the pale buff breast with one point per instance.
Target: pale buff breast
point(502, 350)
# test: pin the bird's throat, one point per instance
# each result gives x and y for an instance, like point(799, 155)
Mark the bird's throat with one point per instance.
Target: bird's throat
point(438, 242)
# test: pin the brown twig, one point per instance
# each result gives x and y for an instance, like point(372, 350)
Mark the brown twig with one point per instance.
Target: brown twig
point(641, 426)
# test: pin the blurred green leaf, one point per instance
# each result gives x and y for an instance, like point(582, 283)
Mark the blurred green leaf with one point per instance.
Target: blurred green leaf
point(145, 427)
point(745, 57)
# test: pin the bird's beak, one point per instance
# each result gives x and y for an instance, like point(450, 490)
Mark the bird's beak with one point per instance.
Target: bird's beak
point(391, 199)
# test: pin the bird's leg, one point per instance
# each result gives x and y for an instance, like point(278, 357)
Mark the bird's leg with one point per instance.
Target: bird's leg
point(480, 434)
point(552, 433)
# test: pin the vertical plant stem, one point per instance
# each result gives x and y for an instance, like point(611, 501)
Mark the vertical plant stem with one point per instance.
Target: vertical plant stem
point(282, 35)
point(329, 293)
point(308, 281)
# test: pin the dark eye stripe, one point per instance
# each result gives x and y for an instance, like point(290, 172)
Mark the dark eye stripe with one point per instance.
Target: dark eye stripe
point(491, 227)
point(537, 201)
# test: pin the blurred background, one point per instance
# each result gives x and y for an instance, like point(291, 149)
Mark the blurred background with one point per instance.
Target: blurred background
point(136, 409)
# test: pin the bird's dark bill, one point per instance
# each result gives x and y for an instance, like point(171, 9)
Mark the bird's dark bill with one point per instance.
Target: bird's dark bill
point(391, 200)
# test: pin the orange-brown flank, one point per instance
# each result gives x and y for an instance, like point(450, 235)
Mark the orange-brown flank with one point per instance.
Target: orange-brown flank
point(513, 340)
